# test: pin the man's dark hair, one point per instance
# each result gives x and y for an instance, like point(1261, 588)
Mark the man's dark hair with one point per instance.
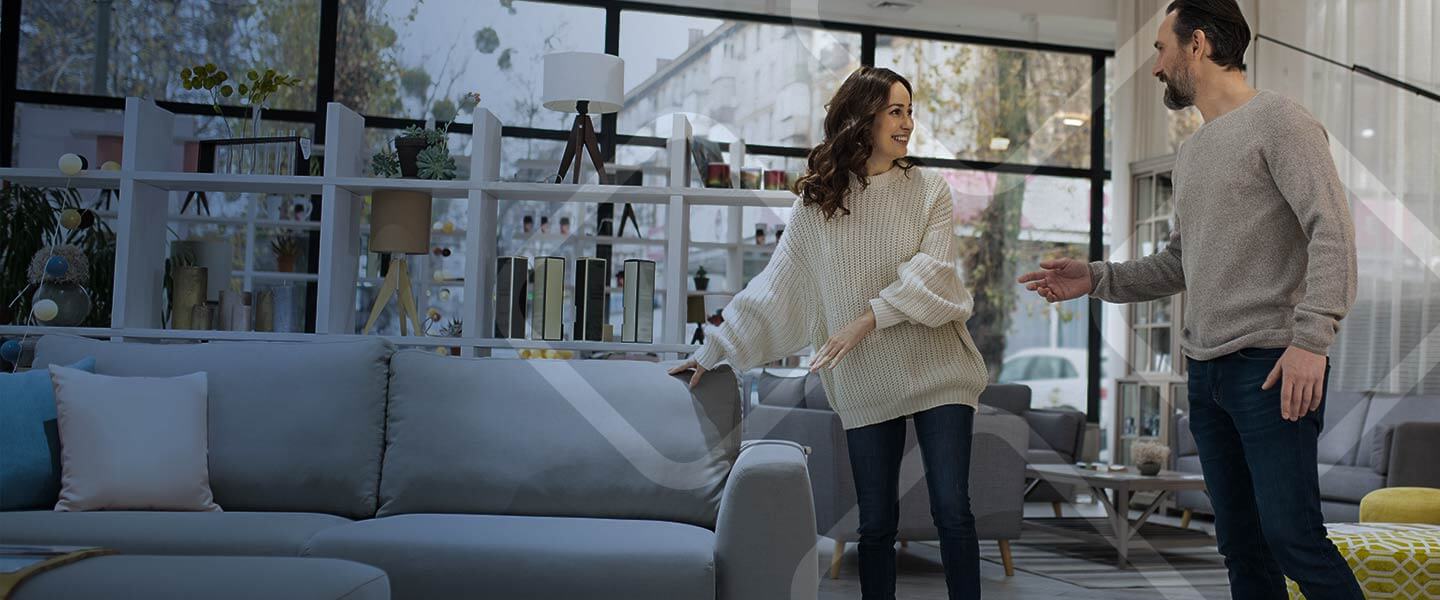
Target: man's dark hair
point(1223, 23)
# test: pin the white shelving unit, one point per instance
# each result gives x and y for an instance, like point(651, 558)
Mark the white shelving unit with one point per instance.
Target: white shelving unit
point(144, 184)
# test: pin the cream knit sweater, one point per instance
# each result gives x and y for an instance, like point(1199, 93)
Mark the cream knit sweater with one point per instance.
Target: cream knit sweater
point(894, 253)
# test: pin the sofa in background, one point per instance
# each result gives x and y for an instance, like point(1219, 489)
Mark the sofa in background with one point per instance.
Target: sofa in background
point(1370, 441)
point(468, 477)
point(795, 408)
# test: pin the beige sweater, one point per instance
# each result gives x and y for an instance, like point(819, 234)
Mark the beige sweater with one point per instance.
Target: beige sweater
point(894, 253)
point(1268, 255)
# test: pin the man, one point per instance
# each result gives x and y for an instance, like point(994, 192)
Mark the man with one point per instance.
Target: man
point(1268, 260)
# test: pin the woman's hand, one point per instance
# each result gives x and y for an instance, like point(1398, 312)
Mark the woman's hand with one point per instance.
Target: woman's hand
point(844, 341)
point(687, 366)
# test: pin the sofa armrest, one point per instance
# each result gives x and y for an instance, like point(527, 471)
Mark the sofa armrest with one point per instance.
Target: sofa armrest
point(821, 432)
point(765, 534)
point(1414, 452)
point(997, 475)
point(1057, 430)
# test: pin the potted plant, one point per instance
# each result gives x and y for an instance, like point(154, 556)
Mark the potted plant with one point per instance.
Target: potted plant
point(1149, 457)
point(286, 247)
point(257, 88)
point(702, 280)
point(414, 140)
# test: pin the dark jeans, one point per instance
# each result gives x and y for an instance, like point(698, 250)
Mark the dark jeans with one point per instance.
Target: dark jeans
point(875, 454)
point(1261, 473)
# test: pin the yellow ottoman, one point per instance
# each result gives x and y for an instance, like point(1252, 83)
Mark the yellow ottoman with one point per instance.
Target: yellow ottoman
point(1390, 560)
point(1401, 505)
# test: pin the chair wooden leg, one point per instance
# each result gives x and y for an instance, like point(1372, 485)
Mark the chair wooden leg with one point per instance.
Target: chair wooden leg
point(835, 560)
point(1185, 519)
point(1056, 506)
point(1006, 558)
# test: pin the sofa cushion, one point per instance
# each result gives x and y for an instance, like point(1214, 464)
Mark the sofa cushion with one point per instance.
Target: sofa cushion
point(208, 577)
point(1344, 419)
point(1387, 409)
point(293, 426)
point(1013, 398)
point(1348, 484)
point(798, 389)
point(600, 438)
point(30, 439)
point(186, 533)
point(498, 556)
point(132, 443)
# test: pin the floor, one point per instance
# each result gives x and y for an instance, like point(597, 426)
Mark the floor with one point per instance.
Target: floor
point(920, 576)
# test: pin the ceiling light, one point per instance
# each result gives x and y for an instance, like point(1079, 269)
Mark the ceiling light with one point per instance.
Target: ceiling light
point(999, 144)
point(1073, 122)
point(1073, 119)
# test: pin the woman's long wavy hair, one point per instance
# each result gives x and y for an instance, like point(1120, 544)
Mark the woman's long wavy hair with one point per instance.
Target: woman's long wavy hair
point(849, 123)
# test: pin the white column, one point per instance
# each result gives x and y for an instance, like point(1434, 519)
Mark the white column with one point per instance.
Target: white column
point(482, 228)
point(140, 236)
point(340, 222)
point(677, 246)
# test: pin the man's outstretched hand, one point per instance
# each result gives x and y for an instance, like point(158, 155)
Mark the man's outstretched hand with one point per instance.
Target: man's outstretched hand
point(1059, 279)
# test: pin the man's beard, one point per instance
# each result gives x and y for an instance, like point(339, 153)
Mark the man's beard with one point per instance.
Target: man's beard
point(1179, 90)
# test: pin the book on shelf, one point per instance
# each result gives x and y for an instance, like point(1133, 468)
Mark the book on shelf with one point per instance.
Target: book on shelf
point(548, 312)
point(591, 309)
point(639, 297)
point(511, 288)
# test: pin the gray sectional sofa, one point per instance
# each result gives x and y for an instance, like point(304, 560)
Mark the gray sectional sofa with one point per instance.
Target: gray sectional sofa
point(1370, 441)
point(464, 478)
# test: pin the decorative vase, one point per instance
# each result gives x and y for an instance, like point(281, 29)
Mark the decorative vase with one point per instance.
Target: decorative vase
point(409, 150)
point(1148, 469)
point(190, 290)
point(702, 283)
point(71, 300)
point(285, 263)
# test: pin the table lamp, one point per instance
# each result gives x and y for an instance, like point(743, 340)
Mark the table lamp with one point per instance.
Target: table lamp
point(583, 83)
point(399, 225)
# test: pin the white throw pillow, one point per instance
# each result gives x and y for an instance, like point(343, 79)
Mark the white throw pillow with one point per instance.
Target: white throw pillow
point(132, 443)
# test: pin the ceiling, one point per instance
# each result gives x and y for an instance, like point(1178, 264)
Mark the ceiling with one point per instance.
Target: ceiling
point(1087, 23)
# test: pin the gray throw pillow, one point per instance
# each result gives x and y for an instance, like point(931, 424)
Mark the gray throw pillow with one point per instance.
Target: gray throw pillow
point(1380, 448)
point(132, 443)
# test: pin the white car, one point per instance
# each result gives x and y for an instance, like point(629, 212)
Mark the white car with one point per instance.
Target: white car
point(1056, 376)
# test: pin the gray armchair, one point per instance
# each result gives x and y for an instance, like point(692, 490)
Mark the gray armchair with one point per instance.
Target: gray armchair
point(792, 408)
point(1057, 436)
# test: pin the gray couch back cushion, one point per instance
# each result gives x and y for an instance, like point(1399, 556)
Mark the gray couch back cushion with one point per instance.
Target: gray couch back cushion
point(293, 426)
point(1013, 398)
point(1344, 417)
point(1386, 409)
point(608, 439)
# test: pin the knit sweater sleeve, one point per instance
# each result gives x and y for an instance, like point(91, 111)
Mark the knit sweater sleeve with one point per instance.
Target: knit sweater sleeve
point(774, 315)
point(927, 290)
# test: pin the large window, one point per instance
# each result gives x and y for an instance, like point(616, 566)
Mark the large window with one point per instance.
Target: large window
point(995, 104)
point(767, 84)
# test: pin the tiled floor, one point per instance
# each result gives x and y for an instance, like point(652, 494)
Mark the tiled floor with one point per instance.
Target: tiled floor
point(920, 576)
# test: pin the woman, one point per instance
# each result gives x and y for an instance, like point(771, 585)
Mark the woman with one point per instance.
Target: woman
point(866, 272)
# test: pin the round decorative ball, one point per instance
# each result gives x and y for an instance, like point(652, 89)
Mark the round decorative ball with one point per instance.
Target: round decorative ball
point(10, 351)
point(72, 164)
point(70, 218)
point(447, 227)
point(438, 275)
point(444, 295)
point(110, 165)
point(57, 266)
point(45, 310)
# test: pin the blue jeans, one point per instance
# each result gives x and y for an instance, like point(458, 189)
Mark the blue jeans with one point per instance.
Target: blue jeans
point(875, 453)
point(1260, 471)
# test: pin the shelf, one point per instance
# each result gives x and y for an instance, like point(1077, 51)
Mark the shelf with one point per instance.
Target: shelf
point(734, 197)
point(414, 341)
point(366, 186)
point(88, 180)
point(261, 223)
point(569, 192)
point(232, 184)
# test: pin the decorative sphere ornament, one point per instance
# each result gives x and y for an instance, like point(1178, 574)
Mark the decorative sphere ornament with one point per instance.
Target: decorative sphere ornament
point(444, 295)
point(10, 351)
point(45, 310)
point(438, 275)
point(110, 165)
point(72, 164)
point(447, 227)
point(70, 218)
point(57, 266)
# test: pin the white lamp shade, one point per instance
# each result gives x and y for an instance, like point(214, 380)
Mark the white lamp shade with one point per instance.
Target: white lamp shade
point(571, 77)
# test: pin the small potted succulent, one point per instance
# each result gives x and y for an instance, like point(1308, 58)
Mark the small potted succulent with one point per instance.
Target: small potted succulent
point(1149, 457)
point(702, 280)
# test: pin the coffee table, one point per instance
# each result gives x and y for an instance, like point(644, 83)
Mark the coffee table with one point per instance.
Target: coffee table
point(1121, 485)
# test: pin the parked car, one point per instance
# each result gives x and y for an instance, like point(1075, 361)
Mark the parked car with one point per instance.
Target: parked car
point(1056, 376)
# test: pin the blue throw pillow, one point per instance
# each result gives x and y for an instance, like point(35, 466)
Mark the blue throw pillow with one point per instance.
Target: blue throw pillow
point(29, 440)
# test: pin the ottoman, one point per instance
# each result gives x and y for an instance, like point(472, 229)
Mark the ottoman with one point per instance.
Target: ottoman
point(211, 577)
point(1401, 505)
point(1390, 560)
